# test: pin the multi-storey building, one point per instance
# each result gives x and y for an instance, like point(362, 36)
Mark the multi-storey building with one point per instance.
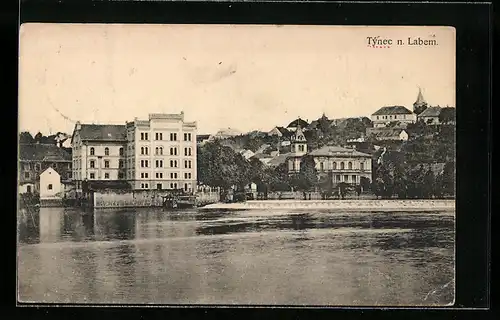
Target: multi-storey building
point(161, 153)
point(158, 153)
point(98, 153)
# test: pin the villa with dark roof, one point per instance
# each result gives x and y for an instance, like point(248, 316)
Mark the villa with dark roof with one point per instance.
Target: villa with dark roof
point(292, 126)
point(344, 165)
point(430, 115)
point(388, 114)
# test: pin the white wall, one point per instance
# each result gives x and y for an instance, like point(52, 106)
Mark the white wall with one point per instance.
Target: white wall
point(50, 184)
point(24, 188)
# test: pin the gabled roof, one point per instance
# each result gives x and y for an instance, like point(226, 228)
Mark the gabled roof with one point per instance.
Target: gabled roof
point(332, 151)
point(103, 132)
point(391, 110)
point(43, 152)
point(381, 133)
point(431, 112)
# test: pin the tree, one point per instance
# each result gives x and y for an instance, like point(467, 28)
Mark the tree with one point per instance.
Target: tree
point(447, 115)
point(38, 137)
point(26, 137)
point(307, 178)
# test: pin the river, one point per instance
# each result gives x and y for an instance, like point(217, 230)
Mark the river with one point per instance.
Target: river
point(153, 256)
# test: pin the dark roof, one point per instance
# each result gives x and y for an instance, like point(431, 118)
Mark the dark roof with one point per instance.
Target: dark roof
point(385, 132)
point(284, 131)
point(331, 151)
point(103, 132)
point(201, 137)
point(431, 112)
point(43, 152)
point(392, 110)
point(298, 122)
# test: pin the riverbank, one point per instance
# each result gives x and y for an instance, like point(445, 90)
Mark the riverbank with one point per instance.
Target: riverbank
point(388, 205)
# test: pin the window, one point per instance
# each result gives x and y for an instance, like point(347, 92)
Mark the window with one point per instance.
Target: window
point(322, 166)
point(173, 185)
point(159, 175)
point(146, 150)
point(120, 163)
point(187, 175)
point(173, 151)
point(158, 186)
point(187, 151)
point(334, 165)
point(377, 118)
point(159, 163)
point(337, 178)
point(120, 175)
point(185, 186)
point(92, 163)
point(187, 164)
point(146, 185)
point(362, 166)
point(49, 187)
point(106, 151)
point(92, 151)
point(26, 175)
point(342, 166)
point(187, 136)
point(349, 165)
point(106, 163)
point(158, 136)
point(121, 151)
point(144, 136)
point(106, 175)
point(354, 178)
point(173, 137)
point(142, 150)
point(144, 175)
point(92, 176)
point(346, 178)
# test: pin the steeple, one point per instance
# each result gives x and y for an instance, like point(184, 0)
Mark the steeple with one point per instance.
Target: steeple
point(420, 104)
point(299, 142)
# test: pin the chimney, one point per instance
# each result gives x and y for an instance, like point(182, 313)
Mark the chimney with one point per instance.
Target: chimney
point(78, 125)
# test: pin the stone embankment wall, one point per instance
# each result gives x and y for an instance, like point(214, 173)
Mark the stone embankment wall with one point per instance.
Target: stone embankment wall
point(390, 205)
point(142, 198)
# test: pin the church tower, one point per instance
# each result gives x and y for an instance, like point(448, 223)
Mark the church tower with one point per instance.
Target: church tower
point(420, 104)
point(299, 142)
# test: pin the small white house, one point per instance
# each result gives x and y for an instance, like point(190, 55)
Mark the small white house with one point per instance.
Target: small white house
point(50, 184)
point(26, 188)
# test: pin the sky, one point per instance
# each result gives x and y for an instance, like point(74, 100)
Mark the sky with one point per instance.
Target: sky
point(246, 77)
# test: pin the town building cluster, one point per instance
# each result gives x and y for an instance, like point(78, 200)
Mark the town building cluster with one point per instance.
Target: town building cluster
point(160, 153)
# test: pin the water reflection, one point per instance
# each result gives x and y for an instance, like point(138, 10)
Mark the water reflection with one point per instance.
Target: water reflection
point(244, 257)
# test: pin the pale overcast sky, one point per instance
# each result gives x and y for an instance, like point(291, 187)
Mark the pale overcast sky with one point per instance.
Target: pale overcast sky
point(243, 77)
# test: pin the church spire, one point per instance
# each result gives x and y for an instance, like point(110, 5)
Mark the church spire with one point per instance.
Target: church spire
point(420, 104)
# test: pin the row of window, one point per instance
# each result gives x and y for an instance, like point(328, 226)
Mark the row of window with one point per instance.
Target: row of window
point(391, 117)
point(159, 136)
point(173, 164)
point(159, 186)
point(323, 166)
point(106, 164)
point(159, 151)
point(106, 151)
point(173, 175)
point(106, 175)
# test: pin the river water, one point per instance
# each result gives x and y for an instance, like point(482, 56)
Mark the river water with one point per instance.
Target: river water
point(153, 256)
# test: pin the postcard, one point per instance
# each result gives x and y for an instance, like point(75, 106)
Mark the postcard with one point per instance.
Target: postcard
point(265, 165)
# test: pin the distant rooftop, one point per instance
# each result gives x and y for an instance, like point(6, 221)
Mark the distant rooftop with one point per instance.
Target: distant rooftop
point(103, 132)
point(332, 151)
point(391, 110)
point(431, 112)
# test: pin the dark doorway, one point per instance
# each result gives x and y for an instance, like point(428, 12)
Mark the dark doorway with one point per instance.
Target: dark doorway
point(28, 189)
point(158, 186)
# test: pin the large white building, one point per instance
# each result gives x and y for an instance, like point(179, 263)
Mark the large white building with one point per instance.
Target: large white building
point(158, 153)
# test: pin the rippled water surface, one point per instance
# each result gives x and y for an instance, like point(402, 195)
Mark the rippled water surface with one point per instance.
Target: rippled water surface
point(236, 257)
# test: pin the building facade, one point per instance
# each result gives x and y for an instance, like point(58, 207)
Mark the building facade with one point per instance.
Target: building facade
point(161, 153)
point(385, 115)
point(36, 158)
point(158, 153)
point(344, 165)
point(50, 185)
point(430, 115)
point(98, 153)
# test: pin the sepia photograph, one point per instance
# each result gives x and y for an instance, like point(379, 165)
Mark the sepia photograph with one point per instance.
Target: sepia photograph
point(262, 165)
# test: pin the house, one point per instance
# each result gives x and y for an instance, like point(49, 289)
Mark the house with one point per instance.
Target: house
point(35, 158)
point(225, 134)
point(385, 134)
point(344, 165)
point(385, 115)
point(280, 132)
point(50, 185)
point(202, 138)
point(430, 115)
point(278, 160)
point(297, 123)
point(247, 154)
point(264, 158)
